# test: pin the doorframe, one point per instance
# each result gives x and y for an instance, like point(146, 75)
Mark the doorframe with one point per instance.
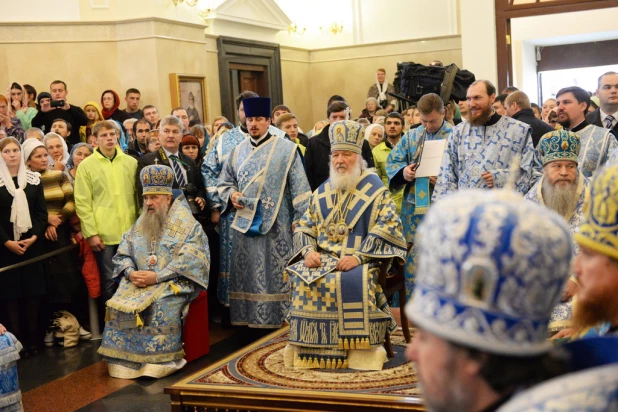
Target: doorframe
point(254, 53)
point(506, 10)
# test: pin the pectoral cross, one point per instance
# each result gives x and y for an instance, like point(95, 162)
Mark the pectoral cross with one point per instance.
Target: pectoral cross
point(156, 161)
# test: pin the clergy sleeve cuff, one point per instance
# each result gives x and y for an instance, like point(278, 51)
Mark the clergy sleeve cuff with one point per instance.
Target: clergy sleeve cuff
point(127, 273)
point(307, 250)
point(361, 259)
point(166, 275)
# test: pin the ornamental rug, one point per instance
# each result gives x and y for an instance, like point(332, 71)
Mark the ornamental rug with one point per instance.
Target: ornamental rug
point(260, 366)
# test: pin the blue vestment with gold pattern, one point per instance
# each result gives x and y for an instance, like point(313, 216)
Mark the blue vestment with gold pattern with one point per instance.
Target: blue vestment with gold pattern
point(597, 143)
point(10, 395)
point(144, 325)
point(562, 313)
point(333, 311)
point(211, 170)
point(474, 150)
point(276, 194)
point(402, 155)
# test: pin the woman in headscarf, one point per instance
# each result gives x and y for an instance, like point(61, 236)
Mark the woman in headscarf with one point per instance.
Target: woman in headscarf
point(371, 107)
point(110, 103)
point(89, 268)
point(202, 136)
point(57, 151)
point(19, 105)
point(62, 276)
point(190, 146)
point(94, 115)
point(374, 134)
point(23, 219)
point(79, 152)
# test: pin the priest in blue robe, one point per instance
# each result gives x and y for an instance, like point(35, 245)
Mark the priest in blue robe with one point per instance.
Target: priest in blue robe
point(339, 315)
point(481, 150)
point(264, 183)
point(162, 263)
point(211, 170)
point(401, 166)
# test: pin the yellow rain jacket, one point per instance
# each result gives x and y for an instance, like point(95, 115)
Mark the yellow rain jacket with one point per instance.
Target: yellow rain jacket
point(105, 196)
point(380, 154)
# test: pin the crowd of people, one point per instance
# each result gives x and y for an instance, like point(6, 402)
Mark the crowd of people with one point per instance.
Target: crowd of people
point(142, 211)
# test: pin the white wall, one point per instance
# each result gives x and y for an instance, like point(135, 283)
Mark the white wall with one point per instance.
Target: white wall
point(564, 28)
point(39, 10)
point(478, 39)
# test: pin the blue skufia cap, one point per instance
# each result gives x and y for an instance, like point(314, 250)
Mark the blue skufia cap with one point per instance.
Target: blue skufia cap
point(157, 180)
point(257, 107)
point(491, 268)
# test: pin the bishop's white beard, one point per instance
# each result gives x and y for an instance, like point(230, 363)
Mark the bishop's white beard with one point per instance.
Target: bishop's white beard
point(152, 224)
point(346, 180)
point(560, 198)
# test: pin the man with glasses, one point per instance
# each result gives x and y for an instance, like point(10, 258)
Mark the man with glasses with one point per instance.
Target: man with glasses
point(401, 167)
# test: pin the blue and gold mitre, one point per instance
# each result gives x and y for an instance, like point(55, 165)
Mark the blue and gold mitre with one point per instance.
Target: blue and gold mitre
point(599, 227)
point(491, 268)
point(157, 180)
point(346, 135)
point(559, 145)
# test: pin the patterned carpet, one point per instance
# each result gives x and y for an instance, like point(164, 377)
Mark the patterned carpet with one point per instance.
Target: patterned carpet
point(261, 366)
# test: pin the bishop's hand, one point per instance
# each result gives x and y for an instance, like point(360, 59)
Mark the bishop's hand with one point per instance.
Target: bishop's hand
point(313, 260)
point(347, 263)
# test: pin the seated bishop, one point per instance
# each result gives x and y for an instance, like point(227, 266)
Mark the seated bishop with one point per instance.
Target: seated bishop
point(162, 263)
point(339, 315)
point(563, 189)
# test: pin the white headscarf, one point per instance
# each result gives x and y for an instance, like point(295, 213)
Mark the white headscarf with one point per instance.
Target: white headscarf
point(65, 149)
point(370, 128)
point(20, 212)
point(28, 146)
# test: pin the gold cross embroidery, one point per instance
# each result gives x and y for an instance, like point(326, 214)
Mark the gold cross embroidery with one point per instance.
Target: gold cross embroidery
point(176, 228)
point(422, 194)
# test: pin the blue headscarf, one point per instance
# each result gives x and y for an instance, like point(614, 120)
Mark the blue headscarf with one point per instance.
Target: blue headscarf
point(70, 165)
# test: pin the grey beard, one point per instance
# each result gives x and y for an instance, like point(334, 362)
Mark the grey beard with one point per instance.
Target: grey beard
point(561, 199)
point(152, 225)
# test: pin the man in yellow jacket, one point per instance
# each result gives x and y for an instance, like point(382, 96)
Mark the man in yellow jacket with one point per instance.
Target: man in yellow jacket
point(393, 126)
point(106, 200)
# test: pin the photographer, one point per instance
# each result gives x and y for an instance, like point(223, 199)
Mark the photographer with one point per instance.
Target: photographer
point(56, 106)
point(186, 173)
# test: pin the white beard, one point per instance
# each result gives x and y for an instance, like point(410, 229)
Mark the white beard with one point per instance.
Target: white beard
point(346, 180)
point(561, 199)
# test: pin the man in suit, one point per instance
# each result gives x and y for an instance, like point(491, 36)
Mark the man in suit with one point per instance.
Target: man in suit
point(607, 115)
point(186, 172)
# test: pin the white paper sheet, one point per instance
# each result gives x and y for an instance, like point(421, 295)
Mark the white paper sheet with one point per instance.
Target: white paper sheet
point(431, 159)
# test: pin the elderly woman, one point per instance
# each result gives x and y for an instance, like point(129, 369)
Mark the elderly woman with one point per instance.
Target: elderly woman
point(79, 152)
point(23, 219)
point(374, 134)
point(89, 268)
point(371, 107)
point(57, 151)
point(19, 105)
point(62, 275)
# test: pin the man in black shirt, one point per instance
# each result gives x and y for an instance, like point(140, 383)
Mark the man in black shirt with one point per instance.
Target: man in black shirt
point(518, 107)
